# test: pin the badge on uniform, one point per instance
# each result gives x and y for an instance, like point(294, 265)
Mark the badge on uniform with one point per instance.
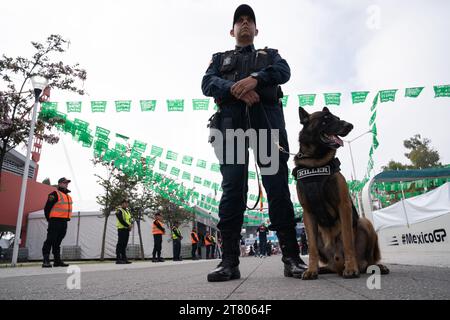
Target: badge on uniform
point(227, 61)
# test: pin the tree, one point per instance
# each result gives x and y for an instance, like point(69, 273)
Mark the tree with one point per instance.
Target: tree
point(47, 181)
point(422, 155)
point(16, 99)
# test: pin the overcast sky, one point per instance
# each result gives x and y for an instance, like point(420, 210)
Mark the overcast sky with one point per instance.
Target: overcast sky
point(160, 50)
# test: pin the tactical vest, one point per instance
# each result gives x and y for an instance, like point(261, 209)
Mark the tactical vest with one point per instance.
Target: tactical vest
point(312, 181)
point(126, 215)
point(236, 65)
point(62, 208)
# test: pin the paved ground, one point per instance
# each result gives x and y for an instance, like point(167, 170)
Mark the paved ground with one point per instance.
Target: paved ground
point(261, 279)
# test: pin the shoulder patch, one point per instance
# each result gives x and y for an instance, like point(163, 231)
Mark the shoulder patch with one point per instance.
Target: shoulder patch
point(51, 197)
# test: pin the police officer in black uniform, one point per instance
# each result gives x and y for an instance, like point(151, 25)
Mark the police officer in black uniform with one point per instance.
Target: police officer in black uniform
point(245, 84)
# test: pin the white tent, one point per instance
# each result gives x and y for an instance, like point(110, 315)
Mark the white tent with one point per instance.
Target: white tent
point(416, 230)
point(421, 208)
point(85, 230)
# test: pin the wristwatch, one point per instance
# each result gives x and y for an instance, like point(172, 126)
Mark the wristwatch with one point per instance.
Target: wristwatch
point(255, 75)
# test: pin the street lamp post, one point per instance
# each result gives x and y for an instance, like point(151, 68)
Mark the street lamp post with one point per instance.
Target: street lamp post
point(38, 83)
point(353, 167)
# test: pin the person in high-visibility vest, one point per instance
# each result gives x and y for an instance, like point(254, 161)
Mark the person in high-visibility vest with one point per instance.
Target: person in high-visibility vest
point(158, 230)
point(194, 240)
point(208, 245)
point(124, 226)
point(176, 238)
point(58, 210)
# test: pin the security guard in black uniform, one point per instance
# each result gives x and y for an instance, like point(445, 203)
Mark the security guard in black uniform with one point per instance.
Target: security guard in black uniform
point(57, 210)
point(245, 85)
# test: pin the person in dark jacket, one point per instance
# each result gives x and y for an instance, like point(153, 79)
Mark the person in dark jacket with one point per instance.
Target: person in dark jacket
point(58, 211)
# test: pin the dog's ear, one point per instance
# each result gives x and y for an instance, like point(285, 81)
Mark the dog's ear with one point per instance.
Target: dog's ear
point(304, 115)
point(325, 109)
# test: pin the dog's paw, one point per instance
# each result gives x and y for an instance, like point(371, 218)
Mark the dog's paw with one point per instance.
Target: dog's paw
point(350, 273)
point(383, 269)
point(309, 275)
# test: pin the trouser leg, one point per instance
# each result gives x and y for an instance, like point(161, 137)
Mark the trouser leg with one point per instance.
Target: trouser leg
point(60, 234)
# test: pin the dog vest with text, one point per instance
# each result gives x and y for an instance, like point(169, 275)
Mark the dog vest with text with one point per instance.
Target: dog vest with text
point(312, 182)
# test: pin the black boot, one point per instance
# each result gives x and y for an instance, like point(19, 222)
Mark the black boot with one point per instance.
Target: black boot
point(46, 263)
point(58, 262)
point(228, 268)
point(294, 266)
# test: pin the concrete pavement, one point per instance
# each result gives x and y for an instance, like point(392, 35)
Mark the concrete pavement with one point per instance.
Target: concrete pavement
point(261, 279)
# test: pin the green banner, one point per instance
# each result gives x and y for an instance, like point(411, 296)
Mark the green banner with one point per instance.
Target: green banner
point(73, 106)
point(102, 132)
point(175, 105)
point(413, 92)
point(215, 167)
point(123, 105)
point(49, 106)
point(252, 175)
point(175, 172)
point(359, 96)
point(387, 95)
point(148, 105)
point(98, 106)
point(187, 160)
point(156, 151)
point(163, 166)
point(200, 104)
point(306, 99)
point(442, 91)
point(122, 136)
point(197, 180)
point(332, 98)
point(171, 155)
point(372, 118)
point(375, 102)
point(139, 146)
point(375, 141)
point(284, 101)
point(201, 163)
point(374, 129)
point(186, 176)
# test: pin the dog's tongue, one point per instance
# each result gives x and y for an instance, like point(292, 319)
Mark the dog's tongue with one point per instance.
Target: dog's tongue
point(337, 140)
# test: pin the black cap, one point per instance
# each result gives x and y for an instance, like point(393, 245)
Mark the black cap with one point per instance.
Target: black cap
point(63, 180)
point(244, 10)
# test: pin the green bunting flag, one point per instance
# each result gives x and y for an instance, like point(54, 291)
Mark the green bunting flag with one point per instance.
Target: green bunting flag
point(156, 151)
point(413, 92)
point(375, 141)
point(306, 99)
point(215, 167)
point(49, 106)
point(197, 180)
point(98, 106)
point(359, 96)
point(175, 105)
point(200, 104)
point(252, 175)
point(122, 136)
point(387, 95)
point(102, 132)
point(206, 183)
point(284, 101)
point(201, 163)
point(123, 105)
point(187, 160)
point(186, 176)
point(171, 155)
point(374, 129)
point(175, 172)
point(80, 125)
point(442, 91)
point(372, 118)
point(332, 98)
point(139, 146)
point(150, 161)
point(73, 106)
point(163, 166)
point(120, 148)
point(147, 105)
point(375, 102)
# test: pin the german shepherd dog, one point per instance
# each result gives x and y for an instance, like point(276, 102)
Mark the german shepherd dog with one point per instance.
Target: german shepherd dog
point(340, 240)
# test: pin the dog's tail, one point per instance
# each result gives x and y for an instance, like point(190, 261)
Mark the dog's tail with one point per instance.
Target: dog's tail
point(376, 250)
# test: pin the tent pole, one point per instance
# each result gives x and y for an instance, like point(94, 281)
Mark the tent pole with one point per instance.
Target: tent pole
point(403, 203)
point(78, 228)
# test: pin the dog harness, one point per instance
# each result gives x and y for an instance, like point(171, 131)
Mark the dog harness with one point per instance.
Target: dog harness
point(312, 182)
